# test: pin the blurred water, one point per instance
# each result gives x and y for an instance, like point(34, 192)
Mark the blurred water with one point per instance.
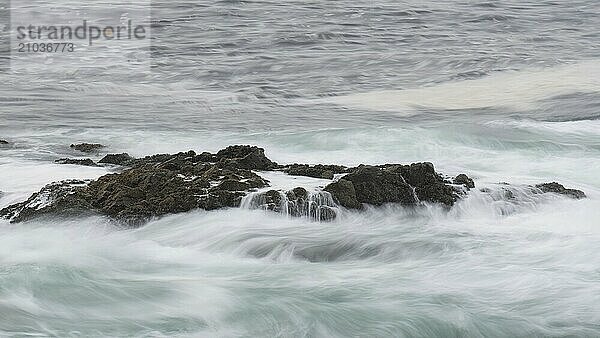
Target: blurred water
point(503, 91)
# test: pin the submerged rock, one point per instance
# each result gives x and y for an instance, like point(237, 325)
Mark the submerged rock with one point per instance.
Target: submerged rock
point(465, 180)
point(315, 171)
point(87, 147)
point(85, 162)
point(557, 188)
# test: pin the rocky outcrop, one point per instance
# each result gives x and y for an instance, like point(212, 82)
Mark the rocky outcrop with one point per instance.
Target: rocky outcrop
point(153, 186)
point(164, 184)
point(315, 171)
point(393, 183)
point(87, 147)
point(557, 188)
point(85, 162)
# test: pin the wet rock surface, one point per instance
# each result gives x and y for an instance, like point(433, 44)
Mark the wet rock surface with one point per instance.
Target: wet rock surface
point(392, 183)
point(87, 147)
point(118, 159)
point(465, 180)
point(153, 186)
point(84, 162)
point(297, 202)
point(557, 188)
point(244, 157)
point(58, 198)
point(344, 194)
point(163, 184)
point(315, 171)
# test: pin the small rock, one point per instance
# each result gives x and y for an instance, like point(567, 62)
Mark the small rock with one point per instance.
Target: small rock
point(87, 147)
point(3, 142)
point(557, 188)
point(118, 159)
point(85, 162)
point(465, 180)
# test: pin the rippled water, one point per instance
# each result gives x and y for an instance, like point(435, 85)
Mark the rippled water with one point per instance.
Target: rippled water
point(503, 91)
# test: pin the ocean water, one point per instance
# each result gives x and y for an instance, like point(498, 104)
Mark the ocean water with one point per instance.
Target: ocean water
point(502, 91)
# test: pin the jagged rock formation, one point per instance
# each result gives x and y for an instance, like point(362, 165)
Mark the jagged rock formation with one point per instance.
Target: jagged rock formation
point(163, 184)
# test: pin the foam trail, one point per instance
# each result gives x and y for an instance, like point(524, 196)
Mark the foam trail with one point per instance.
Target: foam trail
point(514, 89)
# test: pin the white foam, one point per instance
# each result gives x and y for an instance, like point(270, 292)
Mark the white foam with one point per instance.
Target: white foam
point(591, 127)
point(515, 89)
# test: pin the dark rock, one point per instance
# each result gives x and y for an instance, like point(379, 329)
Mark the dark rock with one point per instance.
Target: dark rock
point(153, 186)
point(218, 199)
point(557, 188)
point(465, 180)
point(87, 147)
point(85, 162)
point(378, 186)
point(428, 185)
point(297, 193)
point(206, 157)
point(316, 171)
point(59, 198)
point(232, 185)
point(3, 142)
point(244, 157)
point(118, 159)
point(344, 194)
point(392, 183)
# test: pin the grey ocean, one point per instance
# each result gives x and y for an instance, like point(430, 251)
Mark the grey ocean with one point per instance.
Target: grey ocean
point(505, 91)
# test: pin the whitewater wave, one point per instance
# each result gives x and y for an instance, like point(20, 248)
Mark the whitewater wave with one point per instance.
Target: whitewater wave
point(515, 89)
